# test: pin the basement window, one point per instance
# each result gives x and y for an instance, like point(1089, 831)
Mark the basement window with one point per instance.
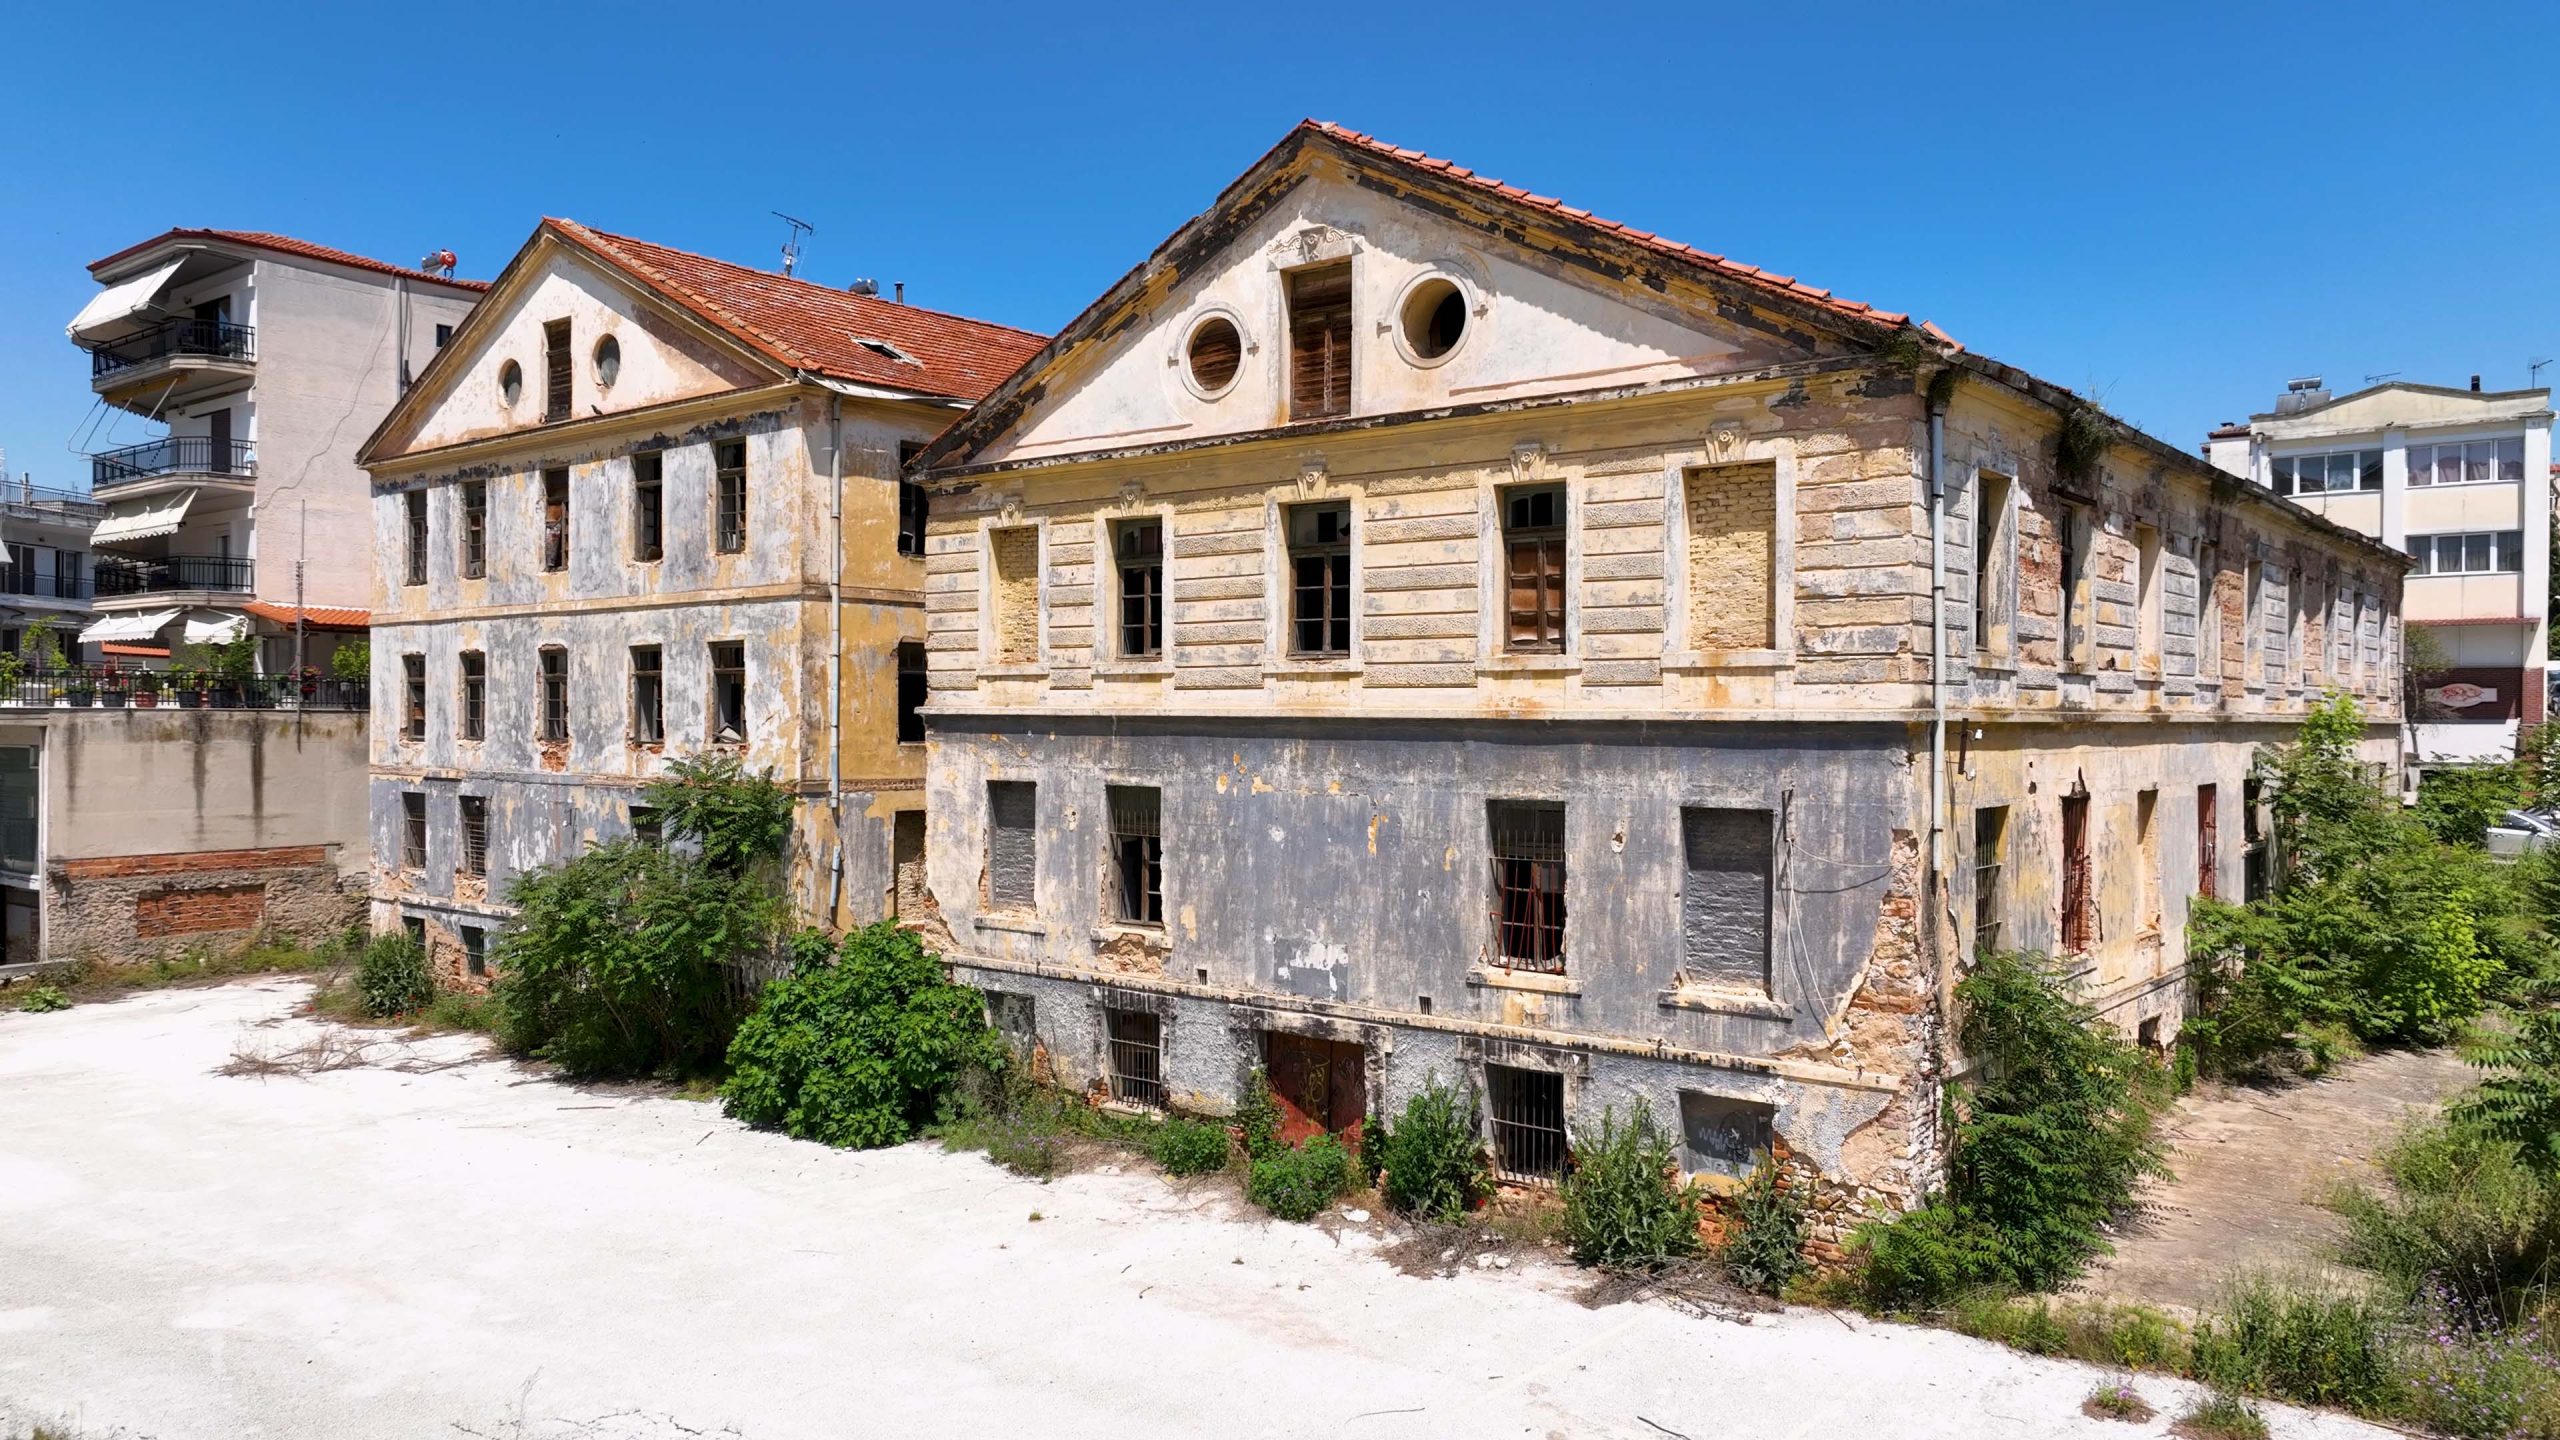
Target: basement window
point(1137, 853)
point(1137, 1057)
point(648, 506)
point(646, 827)
point(728, 692)
point(1320, 579)
point(555, 370)
point(1721, 1136)
point(413, 686)
point(1533, 546)
point(729, 487)
point(555, 519)
point(475, 695)
point(413, 830)
point(913, 687)
point(1320, 342)
point(555, 694)
point(648, 695)
point(1528, 884)
point(1528, 1124)
point(474, 859)
point(1138, 546)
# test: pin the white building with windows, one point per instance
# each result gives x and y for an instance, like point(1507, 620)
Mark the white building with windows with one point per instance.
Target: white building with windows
point(2461, 480)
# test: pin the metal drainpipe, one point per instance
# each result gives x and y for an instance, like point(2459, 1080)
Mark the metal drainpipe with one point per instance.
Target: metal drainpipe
point(835, 651)
point(1937, 636)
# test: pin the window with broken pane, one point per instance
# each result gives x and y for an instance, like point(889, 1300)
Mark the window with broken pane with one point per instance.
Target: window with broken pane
point(648, 695)
point(729, 485)
point(1528, 884)
point(729, 692)
point(1137, 853)
point(555, 693)
point(555, 519)
point(474, 859)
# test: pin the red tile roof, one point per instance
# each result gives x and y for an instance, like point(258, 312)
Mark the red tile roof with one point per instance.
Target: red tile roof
point(822, 330)
point(1716, 264)
point(287, 245)
point(322, 617)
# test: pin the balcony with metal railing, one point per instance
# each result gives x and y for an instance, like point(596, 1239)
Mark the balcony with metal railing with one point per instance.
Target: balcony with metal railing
point(36, 584)
point(191, 456)
point(211, 574)
point(169, 361)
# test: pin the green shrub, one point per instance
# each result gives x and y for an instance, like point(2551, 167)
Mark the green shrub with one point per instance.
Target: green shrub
point(2117, 1402)
point(1258, 1116)
point(2309, 1348)
point(2463, 1219)
point(1430, 1162)
point(1624, 1203)
point(1298, 1184)
point(2519, 1099)
point(2222, 1416)
point(1764, 1249)
point(44, 999)
point(392, 977)
point(1923, 1258)
point(2481, 1381)
point(737, 818)
point(1190, 1147)
point(859, 1052)
point(459, 1010)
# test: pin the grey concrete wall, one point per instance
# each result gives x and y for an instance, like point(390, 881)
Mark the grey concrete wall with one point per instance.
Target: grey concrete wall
point(169, 781)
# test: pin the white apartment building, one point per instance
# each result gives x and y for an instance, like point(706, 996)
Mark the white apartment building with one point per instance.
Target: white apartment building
point(2461, 480)
point(265, 360)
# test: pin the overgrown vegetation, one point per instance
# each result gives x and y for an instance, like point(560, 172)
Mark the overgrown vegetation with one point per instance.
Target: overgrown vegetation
point(44, 999)
point(82, 982)
point(2220, 1415)
point(1763, 1249)
point(2305, 1346)
point(392, 976)
point(1298, 1182)
point(1429, 1162)
point(1190, 1147)
point(1624, 1203)
point(857, 1045)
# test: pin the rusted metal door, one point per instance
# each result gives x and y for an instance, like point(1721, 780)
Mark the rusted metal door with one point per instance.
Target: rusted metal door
point(1321, 1085)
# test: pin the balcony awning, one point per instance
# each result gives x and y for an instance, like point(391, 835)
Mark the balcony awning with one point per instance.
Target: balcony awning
point(116, 304)
point(128, 628)
point(213, 627)
point(143, 518)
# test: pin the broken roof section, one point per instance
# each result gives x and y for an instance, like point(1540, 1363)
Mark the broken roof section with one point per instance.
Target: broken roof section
point(824, 331)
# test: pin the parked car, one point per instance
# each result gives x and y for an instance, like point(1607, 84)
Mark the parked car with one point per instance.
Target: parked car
point(2518, 831)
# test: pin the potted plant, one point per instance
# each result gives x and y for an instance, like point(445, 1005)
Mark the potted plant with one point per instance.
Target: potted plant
point(235, 666)
point(80, 688)
point(113, 687)
point(146, 690)
point(187, 683)
point(13, 673)
point(351, 664)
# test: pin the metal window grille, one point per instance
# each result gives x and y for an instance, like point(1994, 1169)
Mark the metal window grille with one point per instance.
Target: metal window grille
point(2075, 872)
point(1320, 579)
point(730, 481)
point(648, 506)
point(913, 685)
point(475, 695)
point(648, 696)
point(1137, 1057)
point(1320, 342)
point(475, 951)
point(1137, 853)
point(1990, 830)
point(413, 676)
point(475, 835)
point(475, 529)
point(555, 694)
point(729, 691)
point(413, 830)
point(1528, 1124)
point(417, 569)
point(1139, 547)
point(555, 519)
point(555, 370)
point(1528, 884)
point(912, 503)
point(1533, 545)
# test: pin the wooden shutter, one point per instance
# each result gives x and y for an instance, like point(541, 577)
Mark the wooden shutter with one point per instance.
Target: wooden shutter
point(555, 367)
point(1320, 342)
point(1536, 599)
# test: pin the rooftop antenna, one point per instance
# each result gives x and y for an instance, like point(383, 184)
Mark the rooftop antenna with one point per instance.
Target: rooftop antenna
point(2533, 372)
point(2385, 375)
point(791, 246)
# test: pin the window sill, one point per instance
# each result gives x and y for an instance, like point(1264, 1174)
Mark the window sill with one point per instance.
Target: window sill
point(1496, 977)
point(1689, 660)
point(1995, 665)
point(1724, 1000)
point(1529, 665)
point(1018, 922)
point(1153, 938)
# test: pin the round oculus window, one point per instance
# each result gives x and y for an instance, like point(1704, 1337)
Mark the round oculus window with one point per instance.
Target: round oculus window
point(1215, 353)
point(511, 381)
point(608, 360)
point(1434, 318)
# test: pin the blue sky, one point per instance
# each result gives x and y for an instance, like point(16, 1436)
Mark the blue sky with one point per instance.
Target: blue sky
point(2172, 207)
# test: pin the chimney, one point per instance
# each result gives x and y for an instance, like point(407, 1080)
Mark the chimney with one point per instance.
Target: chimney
point(2475, 384)
point(902, 299)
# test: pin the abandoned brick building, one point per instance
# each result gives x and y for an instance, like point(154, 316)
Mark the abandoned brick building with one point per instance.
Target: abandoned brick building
point(646, 505)
point(1408, 626)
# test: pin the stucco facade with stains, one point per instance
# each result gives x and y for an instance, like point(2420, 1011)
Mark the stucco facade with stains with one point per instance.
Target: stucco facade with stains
point(1634, 583)
point(694, 550)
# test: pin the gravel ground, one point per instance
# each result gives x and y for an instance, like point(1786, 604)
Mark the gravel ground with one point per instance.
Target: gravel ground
point(428, 1243)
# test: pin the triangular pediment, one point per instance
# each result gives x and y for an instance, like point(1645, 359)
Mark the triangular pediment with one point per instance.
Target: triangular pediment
point(659, 354)
point(1458, 297)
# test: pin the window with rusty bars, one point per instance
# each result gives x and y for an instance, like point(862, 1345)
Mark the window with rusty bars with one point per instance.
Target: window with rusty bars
point(1533, 549)
point(1138, 548)
point(2075, 873)
point(1137, 1057)
point(648, 505)
point(729, 692)
point(474, 859)
point(555, 519)
point(1990, 836)
point(1528, 884)
point(474, 498)
point(413, 680)
point(1320, 579)
point(475, 950)
point(475, 695)
point(648, 695)
point(413, 830)
point(555, 693)
point(1529, 1144)
point(1137, 853)
point(555, 370)
point(729, 483)
point(416, 501)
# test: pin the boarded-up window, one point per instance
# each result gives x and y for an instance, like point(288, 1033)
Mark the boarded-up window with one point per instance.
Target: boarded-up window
point(555, 370)
point(1320, 342)
point(2075, 873)
point(1013, 844)
point(555, 519)
point(1528, 884)
point(1733, 521)
point(1723, 1136)
point(1015, 594)
point(1533, 554)
point(1724, 896)
point(906, 863)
